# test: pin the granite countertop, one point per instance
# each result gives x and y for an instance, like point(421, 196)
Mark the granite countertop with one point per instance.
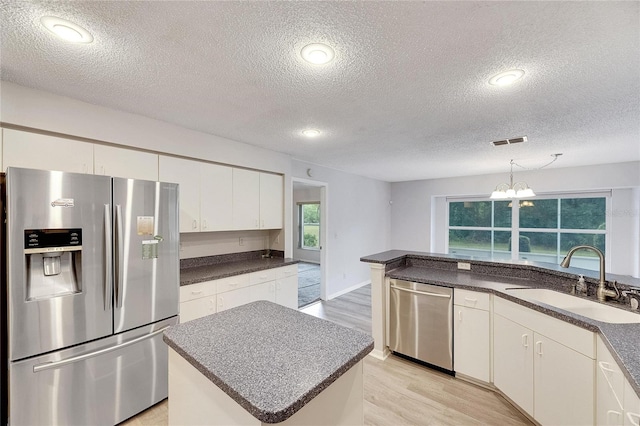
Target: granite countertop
point(270, 359)
point(623, 340)
point(208, 272)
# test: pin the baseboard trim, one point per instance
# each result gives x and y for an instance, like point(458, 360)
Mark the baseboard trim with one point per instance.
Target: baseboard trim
point(347, 290)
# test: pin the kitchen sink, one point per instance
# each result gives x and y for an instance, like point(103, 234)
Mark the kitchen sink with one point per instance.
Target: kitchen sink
point(576, 305)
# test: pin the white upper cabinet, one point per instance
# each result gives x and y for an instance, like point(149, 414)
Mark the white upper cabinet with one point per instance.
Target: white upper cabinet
point(271, 201)
point(186, 173)
point(36, 151)
point(246, 199)
point(216, 197)
point(125, 163)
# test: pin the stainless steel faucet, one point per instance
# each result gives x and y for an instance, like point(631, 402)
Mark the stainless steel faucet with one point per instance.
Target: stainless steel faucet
point(603, 292)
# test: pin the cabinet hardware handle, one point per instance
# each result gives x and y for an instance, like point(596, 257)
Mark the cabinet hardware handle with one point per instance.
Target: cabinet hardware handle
point(194, 225)
point(196, 292)
point(634, 418)
point(605, 367)
point(220, 301)
point(204, 224)
point(469, 299)
point(57, 364)
point(525, 340)
point(539, 345)
point(460, 315)
point(617, 414)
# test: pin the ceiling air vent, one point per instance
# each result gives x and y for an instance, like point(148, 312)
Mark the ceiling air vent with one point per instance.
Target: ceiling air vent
point(509, 141)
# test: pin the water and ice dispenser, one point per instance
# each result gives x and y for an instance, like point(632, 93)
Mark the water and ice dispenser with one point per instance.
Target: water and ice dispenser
point(53, 262)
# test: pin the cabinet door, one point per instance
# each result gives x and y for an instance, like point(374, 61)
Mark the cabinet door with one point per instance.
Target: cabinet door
point(513, 361)
point(271, 201)
point(287, 291)
point(216, 197)
point(197, 308)
point(34, 151)
point(242, 296)
point(471, 343)
point(186, 173)
point(246, 199)
point(609, 388)
point(631, 406)
point(563, 383)
point(125, 163)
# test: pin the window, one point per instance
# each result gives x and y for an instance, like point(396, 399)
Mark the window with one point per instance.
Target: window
point(309, 225)
point(545, 228)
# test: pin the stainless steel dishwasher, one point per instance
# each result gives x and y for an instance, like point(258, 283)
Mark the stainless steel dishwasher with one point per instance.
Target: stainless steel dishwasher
point(420, 323)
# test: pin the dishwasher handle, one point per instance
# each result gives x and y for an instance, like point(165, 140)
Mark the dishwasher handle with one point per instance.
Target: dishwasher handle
point(423, 293)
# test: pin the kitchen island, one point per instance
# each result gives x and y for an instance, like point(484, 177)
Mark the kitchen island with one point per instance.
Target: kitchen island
point(263, 363)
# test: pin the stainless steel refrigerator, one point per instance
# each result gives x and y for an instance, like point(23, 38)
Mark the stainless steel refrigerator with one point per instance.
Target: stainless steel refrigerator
point(92, 280)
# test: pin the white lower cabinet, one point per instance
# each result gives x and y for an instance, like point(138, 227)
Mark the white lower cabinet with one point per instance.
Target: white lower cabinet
point(279, 285)
point(552, 381)
point(287, 291)
point(472, 335)
point(197, 308)
point(513, 361)
point(631, 406)
point(609, 388)
point(242, 296)
point(563, 384)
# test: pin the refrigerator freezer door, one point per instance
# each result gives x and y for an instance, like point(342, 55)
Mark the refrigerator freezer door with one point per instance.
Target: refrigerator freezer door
point(146, 241)
point(98, 383)
point(58, 294)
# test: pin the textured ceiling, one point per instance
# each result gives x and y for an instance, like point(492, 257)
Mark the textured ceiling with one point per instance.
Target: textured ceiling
point(405, 98)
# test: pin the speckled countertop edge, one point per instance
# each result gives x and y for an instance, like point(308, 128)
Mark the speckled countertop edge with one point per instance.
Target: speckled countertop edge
point(198, 274)
point(188, 340)
point(622, 339)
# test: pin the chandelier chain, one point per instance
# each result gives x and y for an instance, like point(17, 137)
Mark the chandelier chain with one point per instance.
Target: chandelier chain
point(555, 157)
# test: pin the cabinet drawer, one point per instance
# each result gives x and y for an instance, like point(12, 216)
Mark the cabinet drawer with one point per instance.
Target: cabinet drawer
point(262, 276)
point(572, 336)
point(471, 299)
point(196, 291)
point(232, 283)
point(286, 271)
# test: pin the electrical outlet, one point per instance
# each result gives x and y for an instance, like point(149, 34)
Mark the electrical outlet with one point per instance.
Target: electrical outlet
point(241, 241)
point(464, 265)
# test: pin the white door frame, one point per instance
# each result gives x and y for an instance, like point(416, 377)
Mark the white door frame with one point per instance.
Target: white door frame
point(324, 228)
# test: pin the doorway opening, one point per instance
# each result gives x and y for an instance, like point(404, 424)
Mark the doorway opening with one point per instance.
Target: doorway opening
point(309, 236)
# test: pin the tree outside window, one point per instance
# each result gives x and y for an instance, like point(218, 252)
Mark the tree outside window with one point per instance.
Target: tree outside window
point(309, 220)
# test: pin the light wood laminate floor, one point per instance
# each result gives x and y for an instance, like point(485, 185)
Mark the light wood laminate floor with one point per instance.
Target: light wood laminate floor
point(397, 391)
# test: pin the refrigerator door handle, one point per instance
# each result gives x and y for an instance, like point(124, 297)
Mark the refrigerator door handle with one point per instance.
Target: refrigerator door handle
point(118, 255)
point(61, 363)
point(107, 257)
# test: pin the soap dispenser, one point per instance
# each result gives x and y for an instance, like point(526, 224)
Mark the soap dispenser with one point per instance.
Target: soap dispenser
point(581, 287)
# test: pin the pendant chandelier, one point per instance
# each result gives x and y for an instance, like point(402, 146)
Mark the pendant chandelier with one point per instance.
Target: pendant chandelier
point(512, 190)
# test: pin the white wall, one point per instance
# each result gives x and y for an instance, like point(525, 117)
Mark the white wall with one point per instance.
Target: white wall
point(306, 194)
point(418, 214)
point(358, 224)
point(36, 109)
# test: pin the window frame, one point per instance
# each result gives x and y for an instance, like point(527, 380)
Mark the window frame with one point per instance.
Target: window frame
point(515, 222)
point(301, 224)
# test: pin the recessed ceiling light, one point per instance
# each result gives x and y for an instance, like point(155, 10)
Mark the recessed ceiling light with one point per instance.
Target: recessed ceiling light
point(506, 78)
point(311, 133)
point(317, 53)
point(66, 30)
